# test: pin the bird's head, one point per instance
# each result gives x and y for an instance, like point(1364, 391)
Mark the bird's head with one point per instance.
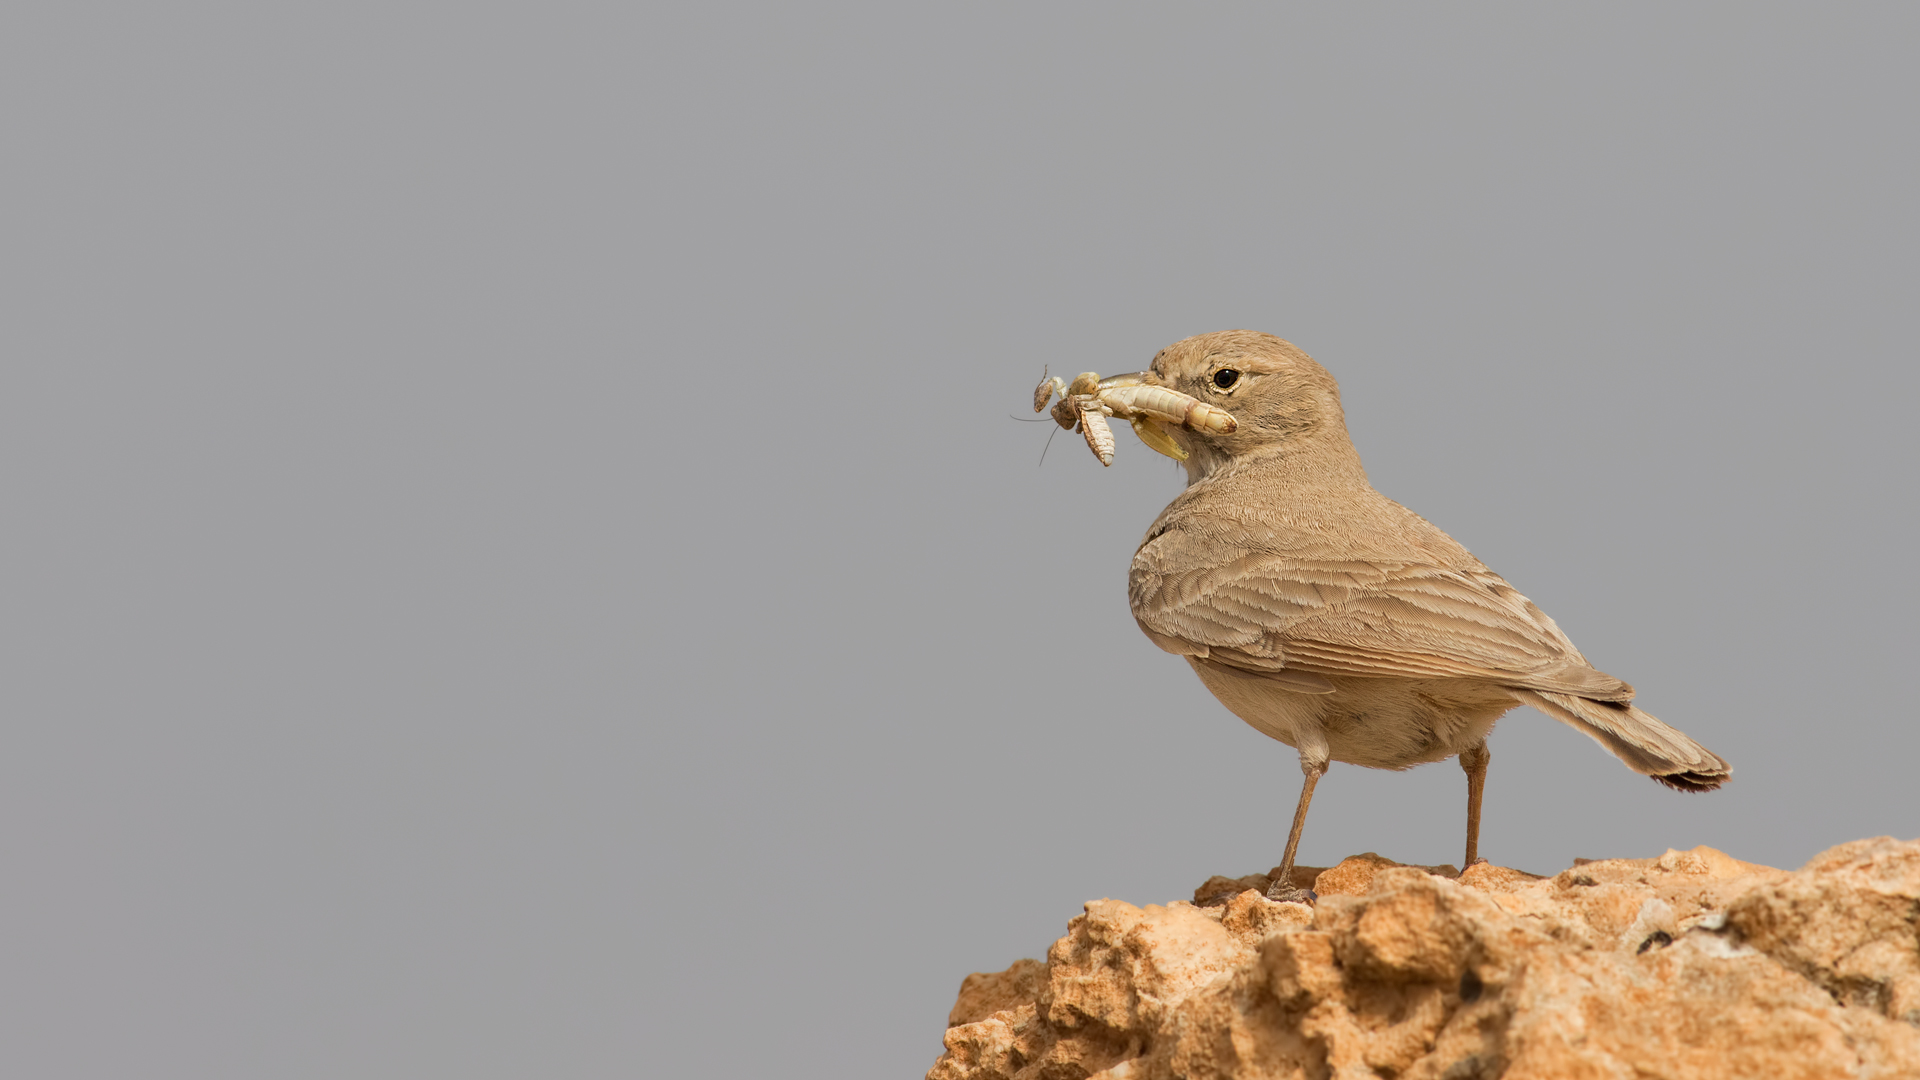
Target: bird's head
point(1282, 402)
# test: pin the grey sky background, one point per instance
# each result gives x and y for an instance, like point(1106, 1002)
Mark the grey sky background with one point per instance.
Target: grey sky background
point(519, 564)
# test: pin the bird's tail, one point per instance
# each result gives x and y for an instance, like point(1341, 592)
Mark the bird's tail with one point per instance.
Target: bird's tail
point(1646, 745)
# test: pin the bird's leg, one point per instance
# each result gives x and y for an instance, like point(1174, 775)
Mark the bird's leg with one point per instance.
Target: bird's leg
point(1282, 888)
point(1474, 760)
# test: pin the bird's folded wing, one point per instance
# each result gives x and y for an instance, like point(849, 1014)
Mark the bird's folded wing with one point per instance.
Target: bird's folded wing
point(1263, 611)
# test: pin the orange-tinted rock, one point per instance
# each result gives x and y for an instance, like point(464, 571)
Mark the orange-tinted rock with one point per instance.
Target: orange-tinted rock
point(1849, 922)
point(1354, 876)
point(982, 994)
point(1487, 877)
point(1693, 965)
point(1252, 918)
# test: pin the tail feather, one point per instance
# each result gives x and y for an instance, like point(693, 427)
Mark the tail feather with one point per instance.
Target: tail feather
point(1641, 741)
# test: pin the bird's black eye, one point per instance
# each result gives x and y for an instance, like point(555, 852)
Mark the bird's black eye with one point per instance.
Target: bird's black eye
point(1225, 378)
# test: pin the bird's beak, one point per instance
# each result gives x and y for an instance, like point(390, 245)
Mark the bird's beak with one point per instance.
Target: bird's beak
point(1152, 432)
point(1131, 378)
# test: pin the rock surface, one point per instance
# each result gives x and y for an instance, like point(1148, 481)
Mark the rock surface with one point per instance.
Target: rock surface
point(1692, 965)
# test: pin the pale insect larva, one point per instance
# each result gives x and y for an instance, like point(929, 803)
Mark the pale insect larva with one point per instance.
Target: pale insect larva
point(1161, 403)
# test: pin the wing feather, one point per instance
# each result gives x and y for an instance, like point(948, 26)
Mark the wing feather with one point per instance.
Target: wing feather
point(1333, 617)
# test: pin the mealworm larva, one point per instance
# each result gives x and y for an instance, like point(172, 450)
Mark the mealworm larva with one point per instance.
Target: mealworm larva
point(1160, 403)
point(1204, 417)
point(1153, 401)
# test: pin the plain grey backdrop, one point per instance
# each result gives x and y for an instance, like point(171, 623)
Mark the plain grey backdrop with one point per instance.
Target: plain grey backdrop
point(518, 562)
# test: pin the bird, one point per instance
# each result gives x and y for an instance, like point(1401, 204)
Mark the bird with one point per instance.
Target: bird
point(1331, 618)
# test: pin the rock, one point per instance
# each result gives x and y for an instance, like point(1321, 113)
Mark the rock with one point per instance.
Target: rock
point(1354, 876)
point(982, 994)
point(1693, 965)
point(1252, 918)
point(1849, 922)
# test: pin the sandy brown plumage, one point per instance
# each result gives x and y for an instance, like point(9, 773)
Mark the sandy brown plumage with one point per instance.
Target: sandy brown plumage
point(1338, 621)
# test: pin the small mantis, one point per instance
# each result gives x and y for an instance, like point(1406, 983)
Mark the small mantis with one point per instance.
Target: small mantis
point(1088, 400)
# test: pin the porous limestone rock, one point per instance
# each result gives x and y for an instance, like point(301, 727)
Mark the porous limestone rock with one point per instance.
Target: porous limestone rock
point(1692, 966)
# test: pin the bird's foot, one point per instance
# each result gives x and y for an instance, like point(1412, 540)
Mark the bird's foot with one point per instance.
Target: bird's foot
point(1282, 893)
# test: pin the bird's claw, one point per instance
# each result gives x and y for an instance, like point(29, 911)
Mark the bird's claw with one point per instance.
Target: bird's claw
point(1282, 893)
